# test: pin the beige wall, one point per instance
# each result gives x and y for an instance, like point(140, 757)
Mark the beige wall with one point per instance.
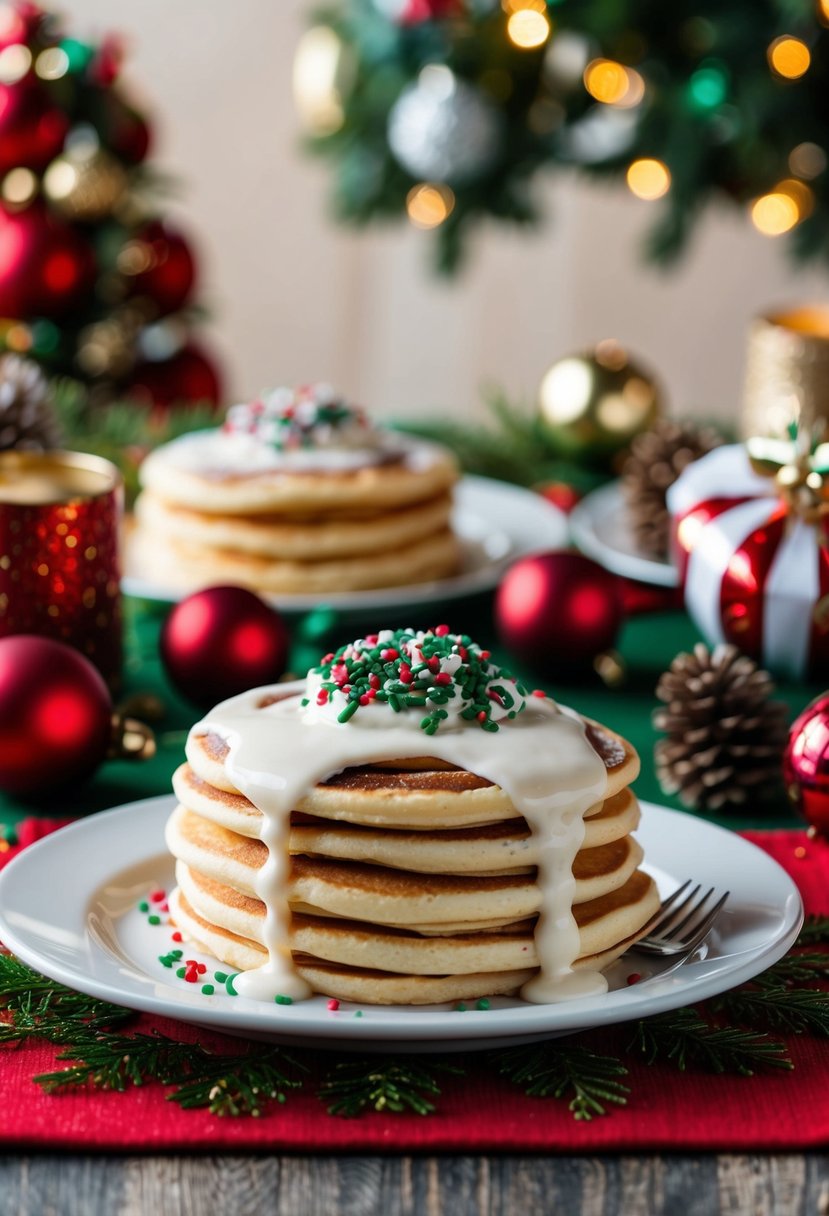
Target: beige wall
point(295, 298)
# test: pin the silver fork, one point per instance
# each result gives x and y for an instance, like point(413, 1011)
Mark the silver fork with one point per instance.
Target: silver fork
point(683, 921)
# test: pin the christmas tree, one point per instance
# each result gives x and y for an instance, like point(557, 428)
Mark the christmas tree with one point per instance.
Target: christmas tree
point(444, 111)
point(93, 284)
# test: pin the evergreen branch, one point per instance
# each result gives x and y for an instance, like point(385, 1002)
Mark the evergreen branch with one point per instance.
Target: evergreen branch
point(798, 1011)
point(514, 447)
point(383, 1084)
point(238, 1085)
point(558, 1070)
point(683, 1037)
point(815, 932)
point(795, 968)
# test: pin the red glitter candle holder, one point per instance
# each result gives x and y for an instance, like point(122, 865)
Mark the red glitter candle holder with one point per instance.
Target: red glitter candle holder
point(60, 514)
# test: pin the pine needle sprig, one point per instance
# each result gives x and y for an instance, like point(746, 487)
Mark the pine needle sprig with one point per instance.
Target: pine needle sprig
point(224, 1084)
point(684, 1037)
point(586, 1079)
point(785, 1010)
point(238, 1085)
point(815, 932)
point(383, 1084)
point(800, 967)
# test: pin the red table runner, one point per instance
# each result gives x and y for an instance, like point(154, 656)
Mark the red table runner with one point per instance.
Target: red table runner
point(479, 1111)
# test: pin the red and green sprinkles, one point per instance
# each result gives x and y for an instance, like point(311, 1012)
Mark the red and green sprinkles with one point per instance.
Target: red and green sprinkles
point(432, 672)
point(290, 419)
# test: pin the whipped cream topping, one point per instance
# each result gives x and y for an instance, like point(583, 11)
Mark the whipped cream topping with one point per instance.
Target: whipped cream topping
point(294, 430)
point(285, 739)
point(310, 417)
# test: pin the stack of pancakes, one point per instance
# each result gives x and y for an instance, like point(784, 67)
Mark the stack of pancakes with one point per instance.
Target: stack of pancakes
point(293, 528)
point(411, 882)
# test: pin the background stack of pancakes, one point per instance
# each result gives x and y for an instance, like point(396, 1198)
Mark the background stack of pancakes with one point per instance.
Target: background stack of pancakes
point(298, 494)
point(410, 883)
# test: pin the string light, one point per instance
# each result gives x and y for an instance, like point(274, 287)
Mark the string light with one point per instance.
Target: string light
point(527, 28)
point(429, 204)
point(789, 57)
point(613, 84)
point(52, 63)
point(807, 160)
point(15, 61)
point(19, 187)
point(780, 210)
point(648, 179)
point(319, 66)
point(708, 85)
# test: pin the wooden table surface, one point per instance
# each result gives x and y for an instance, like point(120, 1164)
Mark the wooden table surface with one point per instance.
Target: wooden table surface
point(675, 1185)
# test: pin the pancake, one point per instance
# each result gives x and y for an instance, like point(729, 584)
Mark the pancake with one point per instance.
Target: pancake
point(503, 861)
point(235, 859)
point(207, 472)
point(298, 493)
point(294, 538)
point(180, 564)
point(605, 926)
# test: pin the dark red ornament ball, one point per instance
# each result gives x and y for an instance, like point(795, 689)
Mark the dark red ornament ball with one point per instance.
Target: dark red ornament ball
point(125, 131)
point(188, 377)
point(32, 127)
point(169, 275)
point(46, 266)
point(55, 715)
point(806, 764)
point(222, 641)
point(558, 611)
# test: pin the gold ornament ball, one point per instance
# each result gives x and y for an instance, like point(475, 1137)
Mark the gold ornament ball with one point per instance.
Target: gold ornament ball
point(592, 405)
point(85, 185)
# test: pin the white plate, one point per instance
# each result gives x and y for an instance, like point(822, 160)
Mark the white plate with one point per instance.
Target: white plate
point(69, 909)
point(601, 528)
point(496, 523)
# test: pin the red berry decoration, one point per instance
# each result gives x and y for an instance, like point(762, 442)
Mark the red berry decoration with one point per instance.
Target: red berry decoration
point(46, 267)
point(189, 376)
point(55, 715)
point(221, 641)
point(806, 764)
point(558, 611)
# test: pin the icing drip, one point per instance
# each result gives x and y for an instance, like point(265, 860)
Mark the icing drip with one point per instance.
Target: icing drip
point(284, 740)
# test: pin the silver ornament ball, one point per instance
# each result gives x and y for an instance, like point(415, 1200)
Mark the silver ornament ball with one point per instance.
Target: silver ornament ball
point(444, 129)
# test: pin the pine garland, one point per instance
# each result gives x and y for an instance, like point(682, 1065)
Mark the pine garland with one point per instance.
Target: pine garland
point(739, 1032)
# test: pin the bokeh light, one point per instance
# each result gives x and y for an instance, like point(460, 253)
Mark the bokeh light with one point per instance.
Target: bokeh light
point(781, 209)
point(789, 57)
point(428, 204)
point(613, 84)
point(528, 29)
point(648, 179)
point(19, 187)
point(807, 160)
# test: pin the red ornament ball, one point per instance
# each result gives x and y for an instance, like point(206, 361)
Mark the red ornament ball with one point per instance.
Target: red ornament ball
point(160, 267)
point(32, 128)
point(558, 611)
point(125, 132)
point(806, 764)
point(222, 641)
point(55, 715)
point(46, 266)
point(188, 377)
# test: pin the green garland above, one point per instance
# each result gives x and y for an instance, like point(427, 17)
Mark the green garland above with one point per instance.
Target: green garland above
point(446, 110)
point(739, 1032)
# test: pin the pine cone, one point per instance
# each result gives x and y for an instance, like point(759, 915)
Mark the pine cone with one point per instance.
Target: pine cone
point(27, 416)
point(656, 459)
point(725, 737)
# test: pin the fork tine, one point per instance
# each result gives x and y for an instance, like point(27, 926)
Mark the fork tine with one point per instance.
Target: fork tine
point(659, 915)
point(706, 923)
point(666, 923)
point(675, 930)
